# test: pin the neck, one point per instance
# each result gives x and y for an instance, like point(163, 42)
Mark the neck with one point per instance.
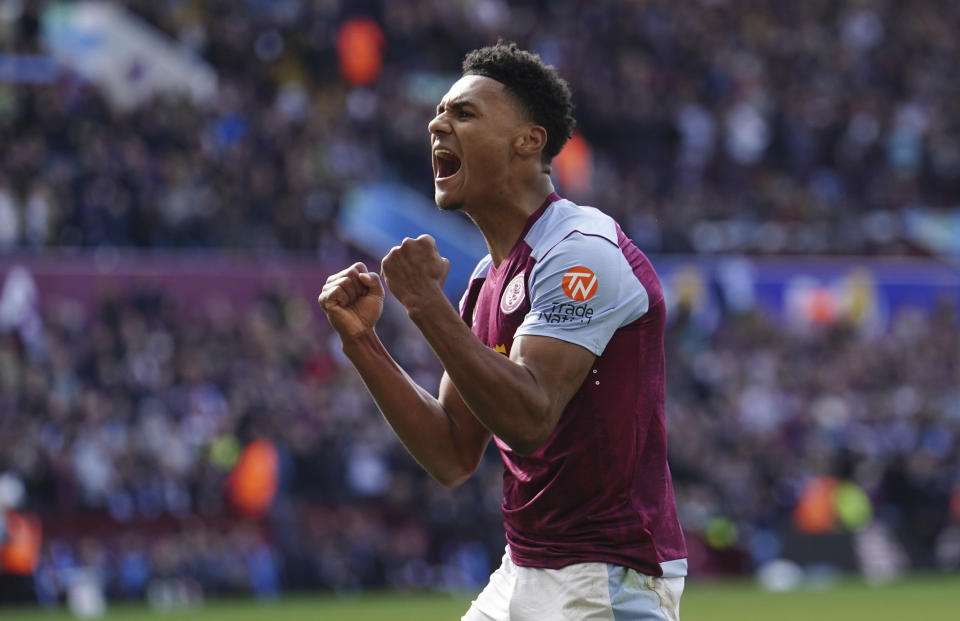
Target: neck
point(501, 218)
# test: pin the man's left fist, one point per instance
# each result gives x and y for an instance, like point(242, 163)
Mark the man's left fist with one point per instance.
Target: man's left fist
point(414, 270)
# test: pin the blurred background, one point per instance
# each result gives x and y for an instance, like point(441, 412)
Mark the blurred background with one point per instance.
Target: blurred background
point(177, 179)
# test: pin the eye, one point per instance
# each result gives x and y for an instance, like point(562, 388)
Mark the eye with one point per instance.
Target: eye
point(463, 114)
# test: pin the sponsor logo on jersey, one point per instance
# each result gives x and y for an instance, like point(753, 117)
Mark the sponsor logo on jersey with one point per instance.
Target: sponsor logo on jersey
point(580, 284)
point(513, 295)
point(566, 312)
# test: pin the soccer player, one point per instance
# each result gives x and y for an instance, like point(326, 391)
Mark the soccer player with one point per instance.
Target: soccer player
point(557, 353)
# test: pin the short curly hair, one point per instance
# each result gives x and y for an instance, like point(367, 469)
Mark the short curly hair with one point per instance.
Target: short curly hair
point(543, 94)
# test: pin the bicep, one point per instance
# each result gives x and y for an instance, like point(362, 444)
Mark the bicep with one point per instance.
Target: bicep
point(558, 367)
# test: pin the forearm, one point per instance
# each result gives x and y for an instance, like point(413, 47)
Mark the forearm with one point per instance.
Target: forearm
point(434, 438)
point(502, 394)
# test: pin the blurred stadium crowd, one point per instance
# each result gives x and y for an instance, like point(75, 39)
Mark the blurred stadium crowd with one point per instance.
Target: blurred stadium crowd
point(127, 423)
point(715, 125)
point(709, 126)
point(136, 415)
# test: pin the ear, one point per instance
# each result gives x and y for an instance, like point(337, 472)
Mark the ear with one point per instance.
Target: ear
point(531, 141)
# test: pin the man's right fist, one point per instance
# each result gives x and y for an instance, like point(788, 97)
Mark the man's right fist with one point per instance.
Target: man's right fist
point(352, 300)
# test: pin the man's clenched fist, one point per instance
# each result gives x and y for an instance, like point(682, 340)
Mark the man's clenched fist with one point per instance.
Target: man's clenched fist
point(352, 300)
point(415, 272)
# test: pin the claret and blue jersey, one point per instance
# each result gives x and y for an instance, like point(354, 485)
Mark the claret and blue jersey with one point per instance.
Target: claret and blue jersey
point(599, 489)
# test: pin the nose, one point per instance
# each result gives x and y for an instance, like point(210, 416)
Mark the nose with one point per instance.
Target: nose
point(438, 125)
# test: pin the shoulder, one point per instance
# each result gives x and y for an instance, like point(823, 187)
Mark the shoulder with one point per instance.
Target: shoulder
point(564, 219)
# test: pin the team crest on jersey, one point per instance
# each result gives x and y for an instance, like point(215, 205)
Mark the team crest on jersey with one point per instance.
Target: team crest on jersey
point(513, 294)
point(580, 284)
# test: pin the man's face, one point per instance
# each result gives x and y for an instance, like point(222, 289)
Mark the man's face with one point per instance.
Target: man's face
point(471, 140)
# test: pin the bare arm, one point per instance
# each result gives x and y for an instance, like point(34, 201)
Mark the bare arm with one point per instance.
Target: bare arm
point(519, 399)
point(441, 434)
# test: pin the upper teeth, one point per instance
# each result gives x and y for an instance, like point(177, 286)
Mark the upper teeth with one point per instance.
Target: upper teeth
point(444, 153)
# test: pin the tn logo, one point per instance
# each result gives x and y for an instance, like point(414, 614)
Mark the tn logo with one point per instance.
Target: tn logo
point(580, 284)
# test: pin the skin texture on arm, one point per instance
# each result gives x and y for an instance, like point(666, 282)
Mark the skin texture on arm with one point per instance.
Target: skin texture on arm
point(519, 399)
point(441, 434)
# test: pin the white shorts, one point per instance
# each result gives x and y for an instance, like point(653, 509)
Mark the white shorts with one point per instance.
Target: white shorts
point(579, 592)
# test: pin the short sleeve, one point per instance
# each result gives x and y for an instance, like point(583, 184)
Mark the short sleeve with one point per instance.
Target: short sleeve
point(582, 291)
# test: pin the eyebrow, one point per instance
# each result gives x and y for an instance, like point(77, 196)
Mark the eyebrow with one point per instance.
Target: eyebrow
point(454, 105)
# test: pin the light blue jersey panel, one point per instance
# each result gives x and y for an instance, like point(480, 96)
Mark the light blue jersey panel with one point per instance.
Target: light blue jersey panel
point(480, 271)
point(582, 290)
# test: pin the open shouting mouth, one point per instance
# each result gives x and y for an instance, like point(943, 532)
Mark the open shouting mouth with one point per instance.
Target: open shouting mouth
point(447, 164)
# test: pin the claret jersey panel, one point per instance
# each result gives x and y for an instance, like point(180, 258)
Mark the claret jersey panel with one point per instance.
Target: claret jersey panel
point(599, 488)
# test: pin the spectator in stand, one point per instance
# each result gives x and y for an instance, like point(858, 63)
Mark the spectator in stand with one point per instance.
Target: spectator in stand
point(759, 126)
point(738, 126)
point(128, 413)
